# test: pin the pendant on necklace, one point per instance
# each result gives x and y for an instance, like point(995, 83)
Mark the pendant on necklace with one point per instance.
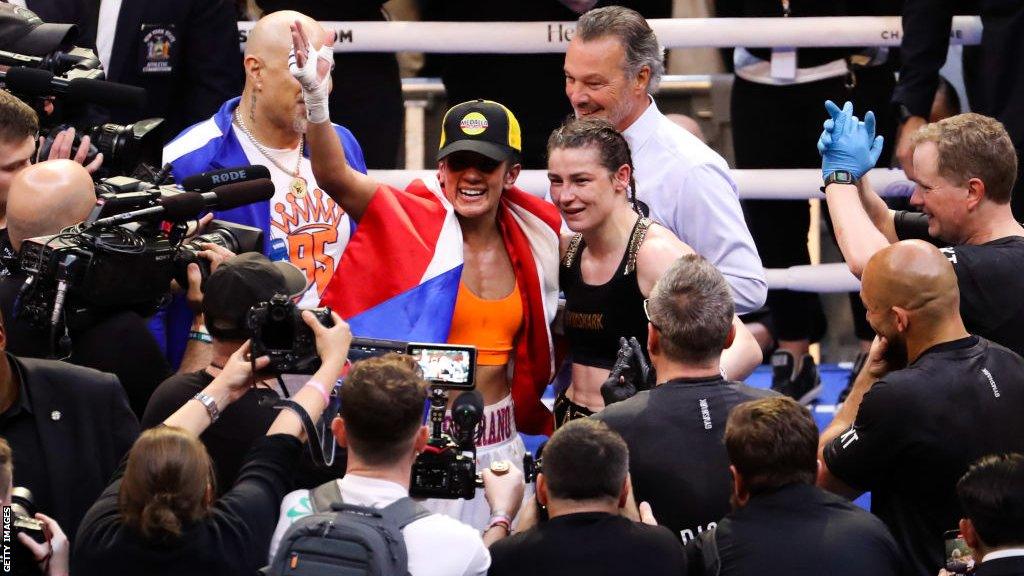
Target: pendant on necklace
point(298, 187)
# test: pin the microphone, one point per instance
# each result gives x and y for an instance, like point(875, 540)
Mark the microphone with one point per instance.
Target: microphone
point(467, 411)
point(37, 82)
point(237, 194)
point(208, 180)
point(173, 208)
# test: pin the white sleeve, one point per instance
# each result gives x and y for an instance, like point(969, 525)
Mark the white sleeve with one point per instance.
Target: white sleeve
point(480, 563)
point(294, 506)
point(708, 217)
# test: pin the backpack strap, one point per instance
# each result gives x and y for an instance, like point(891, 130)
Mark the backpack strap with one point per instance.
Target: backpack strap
point(323, 496)
point(404, 511)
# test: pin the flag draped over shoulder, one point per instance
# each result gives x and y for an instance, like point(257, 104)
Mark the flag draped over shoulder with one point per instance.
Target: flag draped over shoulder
point(399, 277)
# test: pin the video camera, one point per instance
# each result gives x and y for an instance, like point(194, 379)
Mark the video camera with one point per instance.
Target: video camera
point(23, 521)
point(122, 257)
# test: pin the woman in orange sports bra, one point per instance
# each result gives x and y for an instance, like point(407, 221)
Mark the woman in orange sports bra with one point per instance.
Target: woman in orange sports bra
point(610, 262)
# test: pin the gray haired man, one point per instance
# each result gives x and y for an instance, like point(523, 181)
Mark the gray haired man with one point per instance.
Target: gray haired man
point(612, 66)
point(674, 431)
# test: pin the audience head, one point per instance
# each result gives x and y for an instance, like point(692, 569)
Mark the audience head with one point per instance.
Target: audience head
point(168, 483)
point(965, 167)
point(240, 283)
point(772, 442)
point(48, 197)
point(991, 495)
point(584, 462)
point(689, 124)
point(19, 126)
point(478, 156)
point(590, 170)
point(946, 102)
point(910, 291)
point(690, 311)
point(271, 94)
point(6, 472)
point(382, 404)
point(612, 63)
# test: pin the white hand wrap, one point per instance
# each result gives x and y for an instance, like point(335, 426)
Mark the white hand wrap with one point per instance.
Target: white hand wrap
point(315, 90)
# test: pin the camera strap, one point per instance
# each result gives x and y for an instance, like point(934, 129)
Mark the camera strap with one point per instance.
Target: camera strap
point(316, 435)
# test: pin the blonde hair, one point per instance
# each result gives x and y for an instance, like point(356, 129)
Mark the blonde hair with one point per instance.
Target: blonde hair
point(974, 146)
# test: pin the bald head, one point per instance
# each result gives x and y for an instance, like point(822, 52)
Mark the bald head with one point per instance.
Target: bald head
point(271, 39)
point(915, 276)
point(46, 197)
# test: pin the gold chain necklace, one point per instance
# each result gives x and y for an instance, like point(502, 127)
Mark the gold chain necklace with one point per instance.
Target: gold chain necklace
point(298, 184)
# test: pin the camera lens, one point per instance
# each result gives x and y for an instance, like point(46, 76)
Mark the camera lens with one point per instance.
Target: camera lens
point(278, 314)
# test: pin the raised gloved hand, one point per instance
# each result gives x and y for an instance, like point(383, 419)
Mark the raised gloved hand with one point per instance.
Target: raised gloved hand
point(847, 143)
point(312, 68)
point(630, 374)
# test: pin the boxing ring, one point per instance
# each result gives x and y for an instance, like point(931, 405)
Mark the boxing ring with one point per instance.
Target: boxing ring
point(553, 37)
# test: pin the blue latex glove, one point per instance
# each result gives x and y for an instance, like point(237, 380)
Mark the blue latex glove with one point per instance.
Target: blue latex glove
point(847, 143)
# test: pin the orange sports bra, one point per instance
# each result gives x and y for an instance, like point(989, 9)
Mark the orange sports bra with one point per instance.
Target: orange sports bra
point(490, 325)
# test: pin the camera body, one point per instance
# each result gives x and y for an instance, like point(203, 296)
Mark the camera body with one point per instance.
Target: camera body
point(238, 238)
point(442, 471)
point(23, 521)
point(278, 331)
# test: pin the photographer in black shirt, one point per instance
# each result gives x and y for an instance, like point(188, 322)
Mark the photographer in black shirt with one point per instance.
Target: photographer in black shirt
point(585, 487)
point(674, 431)
point(964, 170)
point(780, 519)
point(236, 285)
point(930, 400)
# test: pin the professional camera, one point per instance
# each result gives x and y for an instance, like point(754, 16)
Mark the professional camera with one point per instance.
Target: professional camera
point(237, 238)
point(23, 521)
point(278, 331)
point(133, 149)
point(71, 275)
point(443, 469)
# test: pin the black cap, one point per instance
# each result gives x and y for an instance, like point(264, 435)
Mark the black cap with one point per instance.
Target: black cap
point(240, 283)
point(481, 126)
point(22, 32)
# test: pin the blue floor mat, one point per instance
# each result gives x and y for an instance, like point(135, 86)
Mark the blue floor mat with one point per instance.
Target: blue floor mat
point(833, 380)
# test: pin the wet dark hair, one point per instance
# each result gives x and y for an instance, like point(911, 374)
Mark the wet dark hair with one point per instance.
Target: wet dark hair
point(612, 148)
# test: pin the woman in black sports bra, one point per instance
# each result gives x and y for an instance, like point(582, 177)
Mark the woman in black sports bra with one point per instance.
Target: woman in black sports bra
point(610, 262)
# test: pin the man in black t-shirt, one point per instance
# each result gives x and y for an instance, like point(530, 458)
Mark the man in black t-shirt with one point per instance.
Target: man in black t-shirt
point(930, 400)
point(585, 486)
point(674, 431)
point(782, 523)
point(964, 170)
point(236, 285)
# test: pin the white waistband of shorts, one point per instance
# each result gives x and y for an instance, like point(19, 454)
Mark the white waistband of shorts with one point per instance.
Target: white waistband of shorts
point(753, 69)
point(498, 425)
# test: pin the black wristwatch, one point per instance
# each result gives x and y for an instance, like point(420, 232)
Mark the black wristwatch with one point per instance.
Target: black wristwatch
point(839, 177)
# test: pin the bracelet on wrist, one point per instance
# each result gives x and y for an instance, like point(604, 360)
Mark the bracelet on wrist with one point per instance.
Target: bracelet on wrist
point(200, 336)
point(500, 519)
point(321, 388)
point(210, 404)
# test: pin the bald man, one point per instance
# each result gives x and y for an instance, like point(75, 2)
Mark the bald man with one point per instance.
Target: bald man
point(931, 399)
point(44, 199)
point(267, 126)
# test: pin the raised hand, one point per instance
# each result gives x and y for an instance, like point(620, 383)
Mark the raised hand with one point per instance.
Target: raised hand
point(312, 68)
point(847, 143)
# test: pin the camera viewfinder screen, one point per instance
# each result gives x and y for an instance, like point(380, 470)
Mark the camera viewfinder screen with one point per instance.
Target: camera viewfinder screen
point(450, 366)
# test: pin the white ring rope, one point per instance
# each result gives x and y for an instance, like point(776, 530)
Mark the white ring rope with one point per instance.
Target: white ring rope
point(542, 37)
point(752, 184)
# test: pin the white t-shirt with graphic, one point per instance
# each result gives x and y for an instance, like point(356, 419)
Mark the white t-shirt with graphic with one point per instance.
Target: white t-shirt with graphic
point(313, 229)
